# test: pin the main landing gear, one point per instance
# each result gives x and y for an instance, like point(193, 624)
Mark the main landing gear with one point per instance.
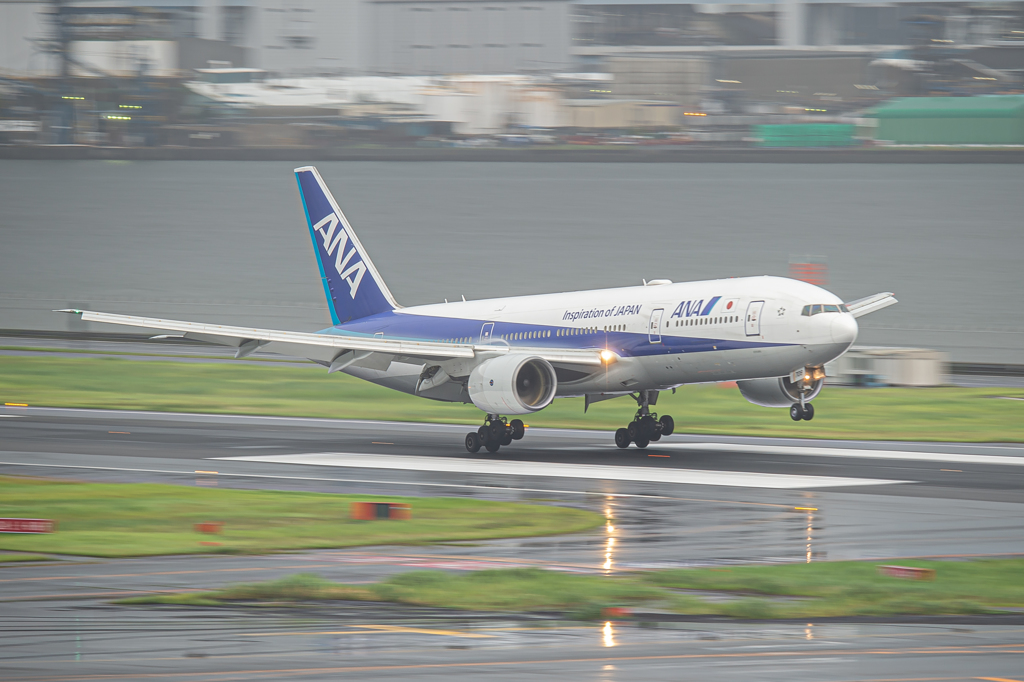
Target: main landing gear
point(495, 432)
point(645, 427)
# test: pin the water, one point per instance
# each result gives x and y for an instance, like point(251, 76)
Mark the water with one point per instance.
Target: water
point(227, 241)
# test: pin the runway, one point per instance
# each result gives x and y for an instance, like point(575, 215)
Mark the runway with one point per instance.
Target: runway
point(685, 501)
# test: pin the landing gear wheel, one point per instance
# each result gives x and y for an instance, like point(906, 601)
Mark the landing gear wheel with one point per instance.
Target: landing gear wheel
point(632, 430)
point(473, 441)
point(492, 446)
point(668, 425)
point(622, 438)
point(796, 413)
point(642, 441)
point(808, 412)
point(518, 429)
point(655, 437)
point(484, 433)
point(506, 439)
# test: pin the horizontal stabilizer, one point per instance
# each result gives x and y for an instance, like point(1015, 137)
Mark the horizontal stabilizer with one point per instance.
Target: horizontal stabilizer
point(870, 304)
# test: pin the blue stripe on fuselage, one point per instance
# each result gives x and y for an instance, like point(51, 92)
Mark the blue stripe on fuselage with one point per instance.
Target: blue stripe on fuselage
point(710, 305)
point(409, 327)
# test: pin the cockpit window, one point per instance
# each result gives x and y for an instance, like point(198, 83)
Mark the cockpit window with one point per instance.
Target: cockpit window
point(824, 308)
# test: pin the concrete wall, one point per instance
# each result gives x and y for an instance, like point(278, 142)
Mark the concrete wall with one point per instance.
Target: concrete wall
point(20, 21)
point(446, 37)
point(890, 366)
point(678, 80)
point(763, 78)
point(605, 114)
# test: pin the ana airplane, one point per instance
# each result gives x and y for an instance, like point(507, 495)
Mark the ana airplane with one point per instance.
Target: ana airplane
point(513, 356)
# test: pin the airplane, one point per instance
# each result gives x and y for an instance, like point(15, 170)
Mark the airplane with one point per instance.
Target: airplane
point(513, 356)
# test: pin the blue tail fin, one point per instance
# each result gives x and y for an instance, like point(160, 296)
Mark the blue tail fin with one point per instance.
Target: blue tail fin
point(353, 286)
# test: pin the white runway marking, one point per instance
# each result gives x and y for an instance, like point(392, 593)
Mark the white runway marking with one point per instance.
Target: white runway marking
point(460, 465)
point(814, 451)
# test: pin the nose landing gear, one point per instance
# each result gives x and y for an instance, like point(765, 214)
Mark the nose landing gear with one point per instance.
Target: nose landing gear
point(798, 412)
point(495, 432)
point(801, 411)
point(646, 427)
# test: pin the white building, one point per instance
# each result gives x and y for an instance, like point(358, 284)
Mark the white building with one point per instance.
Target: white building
point(288, 37)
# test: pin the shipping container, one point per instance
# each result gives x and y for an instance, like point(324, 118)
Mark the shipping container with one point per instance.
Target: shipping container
point(804, 135)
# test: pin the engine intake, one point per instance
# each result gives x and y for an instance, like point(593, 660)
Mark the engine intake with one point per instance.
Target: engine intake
point(780, 392)
point(512, 384)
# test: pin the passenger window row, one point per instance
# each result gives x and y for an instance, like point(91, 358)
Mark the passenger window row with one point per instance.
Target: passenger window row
point(728, 319)
point(699, 321)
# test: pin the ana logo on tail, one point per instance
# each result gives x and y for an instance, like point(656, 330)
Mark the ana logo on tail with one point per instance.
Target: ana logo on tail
point(351, 273)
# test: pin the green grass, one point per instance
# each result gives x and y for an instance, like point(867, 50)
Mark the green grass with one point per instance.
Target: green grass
point(831, 589)
point(16, 558)
point(854, 588)
point(942, 414)
point(511, 589)
point(128, 519)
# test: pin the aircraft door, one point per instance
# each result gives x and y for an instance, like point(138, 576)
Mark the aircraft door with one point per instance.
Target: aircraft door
point(485, 332)
point(654, 330)
point(754, 318)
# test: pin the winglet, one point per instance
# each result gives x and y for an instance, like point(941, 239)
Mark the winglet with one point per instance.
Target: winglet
point(870, 304)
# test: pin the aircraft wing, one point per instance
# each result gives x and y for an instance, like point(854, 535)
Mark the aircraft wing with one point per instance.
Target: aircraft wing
point(337, 349)
point(869, 304)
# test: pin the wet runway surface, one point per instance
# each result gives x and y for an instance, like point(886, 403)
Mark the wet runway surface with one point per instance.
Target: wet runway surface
point(709, 501)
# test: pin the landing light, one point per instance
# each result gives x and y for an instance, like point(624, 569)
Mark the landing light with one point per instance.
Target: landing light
point(607, 357)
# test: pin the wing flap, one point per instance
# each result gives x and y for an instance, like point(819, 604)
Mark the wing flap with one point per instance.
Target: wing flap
point(870, 304)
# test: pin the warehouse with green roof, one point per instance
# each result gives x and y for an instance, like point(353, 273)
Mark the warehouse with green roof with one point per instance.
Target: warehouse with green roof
point(988, 119)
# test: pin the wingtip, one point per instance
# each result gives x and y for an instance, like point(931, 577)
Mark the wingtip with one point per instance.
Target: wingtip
point(72, 311)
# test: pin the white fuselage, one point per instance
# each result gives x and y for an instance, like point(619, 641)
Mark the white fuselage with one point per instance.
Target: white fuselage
point(662, 335)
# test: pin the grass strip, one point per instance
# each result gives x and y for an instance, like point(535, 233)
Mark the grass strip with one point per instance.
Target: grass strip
point(16, 558)
point(927, 414)
point(142, 519)
point(507, 589)
point(855, 588)
point(829, 590)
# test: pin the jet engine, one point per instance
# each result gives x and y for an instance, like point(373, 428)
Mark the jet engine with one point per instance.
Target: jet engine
point(780, 392)
point(512, 384)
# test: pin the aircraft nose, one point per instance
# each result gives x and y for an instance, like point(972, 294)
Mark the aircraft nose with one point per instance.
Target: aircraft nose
point(844, 329)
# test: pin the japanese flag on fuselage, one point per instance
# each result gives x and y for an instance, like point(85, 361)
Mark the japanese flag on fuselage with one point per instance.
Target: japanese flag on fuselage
point(729, 306)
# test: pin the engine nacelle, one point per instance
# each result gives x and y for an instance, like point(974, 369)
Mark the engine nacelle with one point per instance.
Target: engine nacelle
point(512, 384)
point(780, 392)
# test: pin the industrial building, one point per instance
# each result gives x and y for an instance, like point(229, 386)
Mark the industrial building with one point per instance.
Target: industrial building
point(439, 37)
point(952, 120)
point(142, 72)
point(286, 37)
